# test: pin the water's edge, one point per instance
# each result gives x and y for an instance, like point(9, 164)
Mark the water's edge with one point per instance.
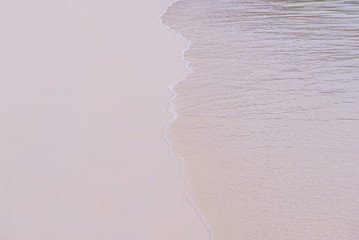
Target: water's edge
point(265, 118)
point(175, 115)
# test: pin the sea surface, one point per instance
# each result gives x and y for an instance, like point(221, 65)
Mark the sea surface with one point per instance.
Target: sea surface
point(267, 120)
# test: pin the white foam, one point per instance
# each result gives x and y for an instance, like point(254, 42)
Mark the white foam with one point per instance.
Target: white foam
point(173, 112)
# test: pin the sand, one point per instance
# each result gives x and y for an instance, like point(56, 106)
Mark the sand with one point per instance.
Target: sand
point(84, 99)
point(267, 122)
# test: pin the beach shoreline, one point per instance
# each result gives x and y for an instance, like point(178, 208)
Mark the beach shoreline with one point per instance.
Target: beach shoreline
point(173, 112)
point(84, 155)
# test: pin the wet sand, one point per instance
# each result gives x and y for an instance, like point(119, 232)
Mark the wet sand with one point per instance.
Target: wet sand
point(84, 101)
point(268, 120)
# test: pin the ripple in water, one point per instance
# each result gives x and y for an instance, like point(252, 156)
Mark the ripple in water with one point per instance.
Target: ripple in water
point(268, 120)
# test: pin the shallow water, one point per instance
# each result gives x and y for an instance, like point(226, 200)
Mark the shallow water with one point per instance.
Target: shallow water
point(268, 120)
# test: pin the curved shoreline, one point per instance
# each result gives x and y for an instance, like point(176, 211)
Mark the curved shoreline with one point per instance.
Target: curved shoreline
point(175, 116)
point(85, 102)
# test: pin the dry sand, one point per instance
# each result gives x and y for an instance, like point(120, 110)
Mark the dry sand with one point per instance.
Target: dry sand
point(83, 94)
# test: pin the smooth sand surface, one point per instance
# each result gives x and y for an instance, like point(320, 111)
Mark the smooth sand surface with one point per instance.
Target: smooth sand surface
point(83, 101)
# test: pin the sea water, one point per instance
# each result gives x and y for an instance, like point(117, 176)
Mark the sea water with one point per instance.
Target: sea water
point(267, 120)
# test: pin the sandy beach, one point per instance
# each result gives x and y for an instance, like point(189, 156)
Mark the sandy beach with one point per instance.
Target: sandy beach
point(84, 99)
point(255, 139)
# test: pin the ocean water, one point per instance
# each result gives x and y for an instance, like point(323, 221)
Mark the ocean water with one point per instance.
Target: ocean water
point(267, 120)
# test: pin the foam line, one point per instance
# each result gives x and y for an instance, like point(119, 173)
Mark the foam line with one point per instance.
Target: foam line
point(175, 115)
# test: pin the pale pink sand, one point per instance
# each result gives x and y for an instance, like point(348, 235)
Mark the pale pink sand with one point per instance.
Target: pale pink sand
point(83, 94)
